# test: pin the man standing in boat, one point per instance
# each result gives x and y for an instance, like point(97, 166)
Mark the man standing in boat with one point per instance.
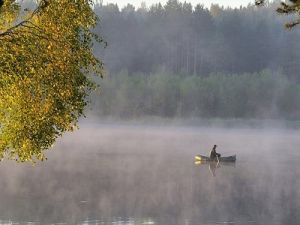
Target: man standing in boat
point(213, 154)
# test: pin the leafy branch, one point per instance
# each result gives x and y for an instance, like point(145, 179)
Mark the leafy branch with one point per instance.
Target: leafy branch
point(287, 9)
point(41, 6)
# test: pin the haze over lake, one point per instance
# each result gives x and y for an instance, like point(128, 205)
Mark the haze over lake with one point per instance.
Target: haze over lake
point(112, 174)
point(160, 83)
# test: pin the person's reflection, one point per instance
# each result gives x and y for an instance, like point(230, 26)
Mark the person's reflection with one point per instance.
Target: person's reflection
point(213, 166)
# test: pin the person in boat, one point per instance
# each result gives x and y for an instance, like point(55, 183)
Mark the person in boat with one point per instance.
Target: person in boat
point(213, 154)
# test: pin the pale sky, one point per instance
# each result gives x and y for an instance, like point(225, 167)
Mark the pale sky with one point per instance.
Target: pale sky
point(207, 3)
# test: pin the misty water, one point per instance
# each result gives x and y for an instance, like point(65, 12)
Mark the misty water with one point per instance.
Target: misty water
point(134, 175)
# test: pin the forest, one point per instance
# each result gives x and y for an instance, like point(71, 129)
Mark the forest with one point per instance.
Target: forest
point(263, 95)
point(179, 60)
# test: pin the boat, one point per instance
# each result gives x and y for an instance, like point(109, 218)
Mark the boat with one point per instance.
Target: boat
point(214, 163)
point(202, 158)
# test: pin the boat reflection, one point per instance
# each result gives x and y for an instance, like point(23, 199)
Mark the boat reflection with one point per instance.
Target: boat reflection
point(213, 165)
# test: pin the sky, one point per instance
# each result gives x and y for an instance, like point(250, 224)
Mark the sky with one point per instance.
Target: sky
point(207, 3)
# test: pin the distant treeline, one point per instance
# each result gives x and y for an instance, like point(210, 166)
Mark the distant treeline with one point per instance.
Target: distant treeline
point(176, 60)
point(256, 95)
point(195, 40)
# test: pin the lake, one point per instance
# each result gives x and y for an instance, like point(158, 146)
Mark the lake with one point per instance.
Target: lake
point(142, 175)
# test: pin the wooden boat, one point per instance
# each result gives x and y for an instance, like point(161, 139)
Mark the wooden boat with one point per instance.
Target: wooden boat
point(214, 163)
point(203, 158)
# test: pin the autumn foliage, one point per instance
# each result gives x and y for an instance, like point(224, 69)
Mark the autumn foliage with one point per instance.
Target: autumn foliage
point(46, 73)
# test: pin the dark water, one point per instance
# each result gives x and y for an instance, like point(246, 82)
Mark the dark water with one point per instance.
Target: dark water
point(146, 175)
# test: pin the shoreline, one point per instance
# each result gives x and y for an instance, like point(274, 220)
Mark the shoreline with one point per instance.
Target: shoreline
point(192, 122)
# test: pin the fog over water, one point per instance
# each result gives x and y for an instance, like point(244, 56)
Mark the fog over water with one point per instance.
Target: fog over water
point(112, 174)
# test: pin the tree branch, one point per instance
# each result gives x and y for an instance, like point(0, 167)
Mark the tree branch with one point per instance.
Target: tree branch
point(23, 23)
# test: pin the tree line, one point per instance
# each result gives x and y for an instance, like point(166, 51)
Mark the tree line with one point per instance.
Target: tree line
point(262, 95)
point(176, 60)
point(195, 40)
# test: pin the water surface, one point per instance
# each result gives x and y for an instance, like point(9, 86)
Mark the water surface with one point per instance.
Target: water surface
point(134, 175)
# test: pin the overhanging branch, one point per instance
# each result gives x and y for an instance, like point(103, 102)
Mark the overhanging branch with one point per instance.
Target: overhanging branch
point(10, 31)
